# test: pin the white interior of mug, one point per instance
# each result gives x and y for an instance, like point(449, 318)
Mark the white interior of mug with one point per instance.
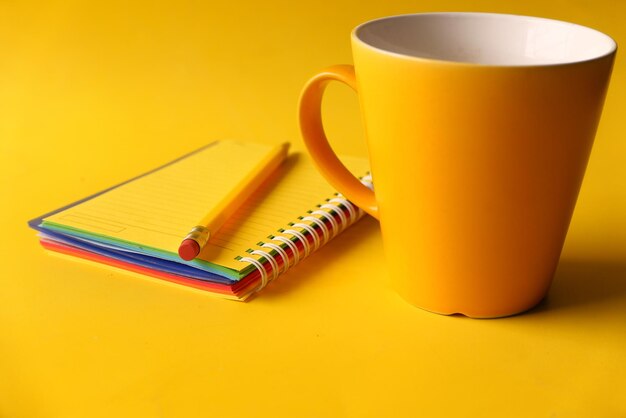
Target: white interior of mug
point(485, 38)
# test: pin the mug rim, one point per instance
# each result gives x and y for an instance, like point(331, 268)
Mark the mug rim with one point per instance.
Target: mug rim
point(355, 37)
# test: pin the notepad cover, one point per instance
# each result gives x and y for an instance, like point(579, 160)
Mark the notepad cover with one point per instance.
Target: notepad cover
point(141, 222)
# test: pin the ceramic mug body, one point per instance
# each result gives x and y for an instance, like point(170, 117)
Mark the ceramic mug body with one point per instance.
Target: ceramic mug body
point(479, 129)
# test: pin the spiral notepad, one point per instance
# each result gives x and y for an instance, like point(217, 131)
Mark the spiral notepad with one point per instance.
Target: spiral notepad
point(137, 226)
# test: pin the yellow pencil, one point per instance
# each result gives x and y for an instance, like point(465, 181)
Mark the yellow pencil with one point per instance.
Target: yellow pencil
point(213, 221)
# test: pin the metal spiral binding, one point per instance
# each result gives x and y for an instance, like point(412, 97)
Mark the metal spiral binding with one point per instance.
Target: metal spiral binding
point(315, 227)
point(321, 225)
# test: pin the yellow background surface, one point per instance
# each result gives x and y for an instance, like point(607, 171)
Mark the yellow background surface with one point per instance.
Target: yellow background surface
point(92, 94)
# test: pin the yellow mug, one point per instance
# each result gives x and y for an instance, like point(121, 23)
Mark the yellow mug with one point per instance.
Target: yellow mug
point(479, 128)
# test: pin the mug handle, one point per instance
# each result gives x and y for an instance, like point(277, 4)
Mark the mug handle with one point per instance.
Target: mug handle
point(315, 139)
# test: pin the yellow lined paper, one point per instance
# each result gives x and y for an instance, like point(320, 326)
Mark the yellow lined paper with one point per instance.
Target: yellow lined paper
point(157, 210)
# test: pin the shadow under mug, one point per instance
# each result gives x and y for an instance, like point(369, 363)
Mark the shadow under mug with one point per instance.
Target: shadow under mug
point(479, 128)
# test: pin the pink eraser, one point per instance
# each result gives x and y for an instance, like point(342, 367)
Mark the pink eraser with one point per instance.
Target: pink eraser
point(189, 249)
